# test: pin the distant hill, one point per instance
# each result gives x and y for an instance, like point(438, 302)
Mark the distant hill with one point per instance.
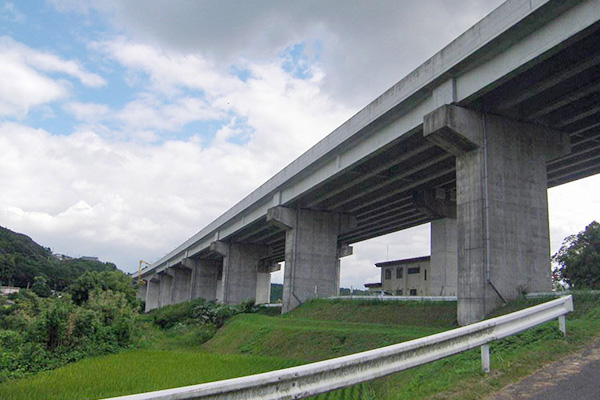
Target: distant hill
point(22, 259)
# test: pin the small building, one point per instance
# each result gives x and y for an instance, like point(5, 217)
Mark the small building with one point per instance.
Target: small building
point(6, 290)
point(373, 287)
point(406, 277)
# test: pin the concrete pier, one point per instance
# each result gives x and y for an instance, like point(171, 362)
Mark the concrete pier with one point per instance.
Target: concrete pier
point(152, 292)
point(502, 206)
point(180, 290)
point(311, 252)
point(241, 264)
point(443, 268)
point(204, 277)
point(165, 287)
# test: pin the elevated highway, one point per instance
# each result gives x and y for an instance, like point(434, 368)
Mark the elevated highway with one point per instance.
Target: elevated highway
point(515, 98)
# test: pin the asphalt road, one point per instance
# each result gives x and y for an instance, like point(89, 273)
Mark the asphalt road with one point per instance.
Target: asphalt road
point(576, 377)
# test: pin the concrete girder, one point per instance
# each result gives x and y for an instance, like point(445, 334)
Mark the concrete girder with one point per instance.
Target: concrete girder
point(366, 176)
point(548, 83)
point(502, 205)
point(436, 203)
point(408, 188)
point(384, 229)
point(402, 176)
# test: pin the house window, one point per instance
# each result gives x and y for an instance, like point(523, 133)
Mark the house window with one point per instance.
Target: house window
point(413, 292)
point(399, 272)
point(425, 277)
point(388, 273)
point(414, 270)
point(399, 292)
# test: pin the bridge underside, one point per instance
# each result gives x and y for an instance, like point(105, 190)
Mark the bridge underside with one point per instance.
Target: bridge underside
point(420, 177)
point(562, 93)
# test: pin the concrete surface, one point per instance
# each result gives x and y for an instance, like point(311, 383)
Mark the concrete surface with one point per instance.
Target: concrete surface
point(443, 269)
point(502, 205)
point(311, 253)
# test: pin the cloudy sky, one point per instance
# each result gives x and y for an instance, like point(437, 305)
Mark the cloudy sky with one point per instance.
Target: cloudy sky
point(127, 126)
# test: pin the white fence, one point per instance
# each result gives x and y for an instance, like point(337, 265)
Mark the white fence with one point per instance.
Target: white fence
point(395, 298)
point(311, 379)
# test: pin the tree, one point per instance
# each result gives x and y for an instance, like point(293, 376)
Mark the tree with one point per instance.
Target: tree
point(115, 281)
point(579, 258)
point(40, 286)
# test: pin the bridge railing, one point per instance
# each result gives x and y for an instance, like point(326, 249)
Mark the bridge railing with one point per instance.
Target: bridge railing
point(320, 377)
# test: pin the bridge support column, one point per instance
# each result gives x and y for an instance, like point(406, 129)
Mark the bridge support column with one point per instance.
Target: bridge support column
point(502, 206)
point(240, 270)
point(142, 288)
point(263, 283)
point(152, 293)
point(311, 252)
point(443, 269)
point(180, 289)
point(164, 290)
point(205, 274)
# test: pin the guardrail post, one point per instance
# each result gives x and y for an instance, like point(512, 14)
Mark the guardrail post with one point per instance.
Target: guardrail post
point(485, 358)
point(562, 324)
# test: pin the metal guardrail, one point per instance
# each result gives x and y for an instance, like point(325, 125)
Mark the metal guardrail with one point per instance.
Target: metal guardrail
point(324, 376)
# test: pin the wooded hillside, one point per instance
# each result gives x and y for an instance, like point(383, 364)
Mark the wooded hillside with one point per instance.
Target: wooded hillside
point(22, 259)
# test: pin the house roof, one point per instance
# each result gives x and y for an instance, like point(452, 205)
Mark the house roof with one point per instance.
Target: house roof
point(401, 262)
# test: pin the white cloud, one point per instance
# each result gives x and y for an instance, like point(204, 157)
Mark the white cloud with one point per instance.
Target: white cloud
point(51, 63)
point(364, 47)
point(149, 112)
point(89, 112)
point(22, 87)
point(22, 83)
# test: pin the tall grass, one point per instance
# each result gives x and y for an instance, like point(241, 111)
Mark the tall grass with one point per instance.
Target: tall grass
point(136, 371)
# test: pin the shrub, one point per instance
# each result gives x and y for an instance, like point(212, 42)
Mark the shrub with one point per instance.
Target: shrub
point(199, 311)
point(47, 333)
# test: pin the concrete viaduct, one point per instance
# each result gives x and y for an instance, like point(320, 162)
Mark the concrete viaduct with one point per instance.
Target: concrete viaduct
point(469, 141)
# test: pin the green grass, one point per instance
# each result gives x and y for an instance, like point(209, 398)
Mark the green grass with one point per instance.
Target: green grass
point(460, 376)
point(429, 314)
point(307, 339)
point(136, 371)
point(253, 343)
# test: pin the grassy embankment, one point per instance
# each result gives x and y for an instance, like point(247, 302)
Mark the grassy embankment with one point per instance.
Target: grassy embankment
point(252, 343)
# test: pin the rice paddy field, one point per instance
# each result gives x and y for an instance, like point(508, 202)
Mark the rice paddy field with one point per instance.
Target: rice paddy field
point(255, 343)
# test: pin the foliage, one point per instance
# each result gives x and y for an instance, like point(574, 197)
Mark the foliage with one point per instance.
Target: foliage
point(198, 311)
point(44, 333)
point(579, 259)
point(40, 286)
point(276, 293)
point(115, 281)
point(354, 292)
point(22, 259)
